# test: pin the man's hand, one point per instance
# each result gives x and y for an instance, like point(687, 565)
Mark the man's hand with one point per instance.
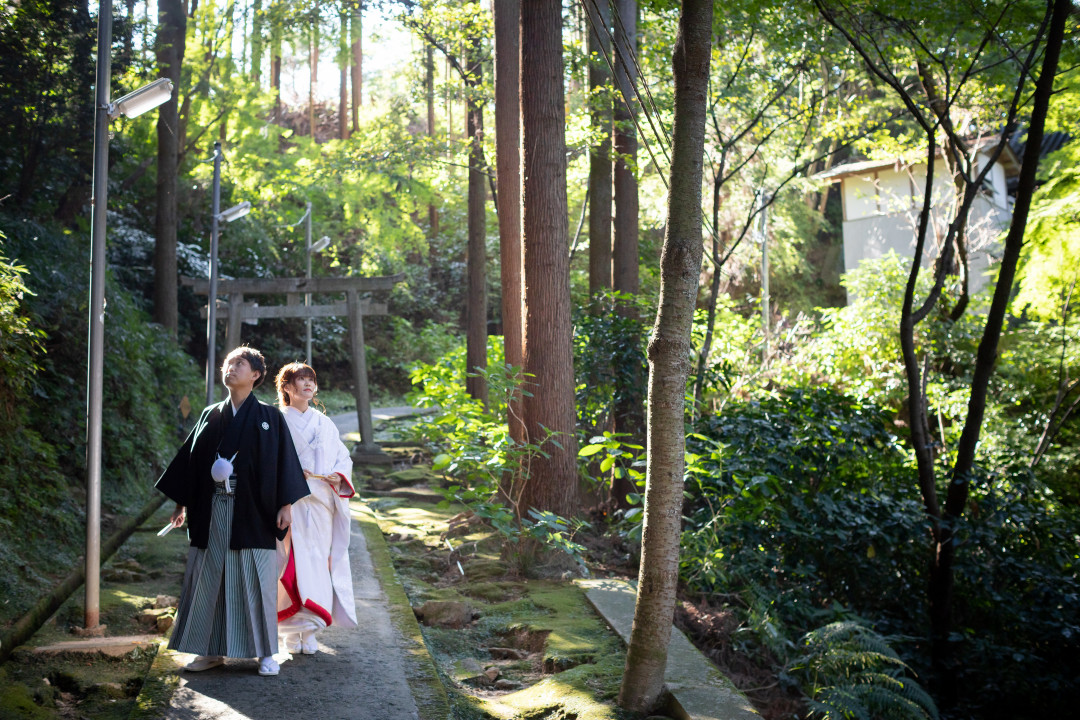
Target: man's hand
point(284, 517)
point(178, 516)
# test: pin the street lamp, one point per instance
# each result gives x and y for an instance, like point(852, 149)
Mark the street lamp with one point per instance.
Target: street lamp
point(319, 246)
point(130, 105)
point(217, 216)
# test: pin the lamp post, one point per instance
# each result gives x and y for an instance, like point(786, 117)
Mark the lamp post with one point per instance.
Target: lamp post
point(319, 246)
point(234, 213)
point(763, 225)
point(130, 105)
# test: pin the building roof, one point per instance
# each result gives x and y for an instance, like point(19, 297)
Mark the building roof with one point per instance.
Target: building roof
point(1009, 160)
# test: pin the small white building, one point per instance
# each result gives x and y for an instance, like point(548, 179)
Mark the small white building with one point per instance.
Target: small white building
point(882, 200)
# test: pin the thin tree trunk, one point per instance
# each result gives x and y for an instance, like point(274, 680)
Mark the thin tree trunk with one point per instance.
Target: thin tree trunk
point(276, 40)
point(313, 70)
point(669, 365)
point(357, 63)
point(508, 177)
point(256, 41)
point(476, 262)
point(433, 211)
point(941, 574)
point(624, 273)
point(628, 412)
point(343, 80)
point(78, 193)
point(547, 354)
point(599, 24)
point(172, 36)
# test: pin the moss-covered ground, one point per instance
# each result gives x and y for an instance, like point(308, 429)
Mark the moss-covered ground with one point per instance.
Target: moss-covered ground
point(45, 686)
point(536, 650)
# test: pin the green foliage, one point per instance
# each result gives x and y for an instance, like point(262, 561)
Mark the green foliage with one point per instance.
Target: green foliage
point(20, 341)
point(145, 377)
point(487, 469)
point(609, 357)
point(854, 673)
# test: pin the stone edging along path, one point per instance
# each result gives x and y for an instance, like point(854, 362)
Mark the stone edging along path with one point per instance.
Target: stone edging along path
point(699, 691)
point(379, 670)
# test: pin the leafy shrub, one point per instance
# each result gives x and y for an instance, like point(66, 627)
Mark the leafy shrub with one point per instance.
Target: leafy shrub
point(43, 473)
point(473, 447)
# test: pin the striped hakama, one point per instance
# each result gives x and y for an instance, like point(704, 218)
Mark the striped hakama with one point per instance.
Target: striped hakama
point(228, 602)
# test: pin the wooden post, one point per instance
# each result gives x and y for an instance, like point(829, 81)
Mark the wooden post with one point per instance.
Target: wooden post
point(360, 379)
point(236, 317)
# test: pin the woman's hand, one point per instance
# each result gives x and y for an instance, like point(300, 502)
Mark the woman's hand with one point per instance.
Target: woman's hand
point(284, 517)
point(308, 474)
point(179, 515)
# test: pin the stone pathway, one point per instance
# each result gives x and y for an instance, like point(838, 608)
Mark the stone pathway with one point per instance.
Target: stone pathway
point(350, 423)
point(357, 674)
point(379, 670)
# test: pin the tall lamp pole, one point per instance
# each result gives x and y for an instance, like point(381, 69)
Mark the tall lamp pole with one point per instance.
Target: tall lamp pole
point(217, 216)
point(763, 226)
point(307, 296)
point(211, 310)
point(131, 105)
point(96, 359)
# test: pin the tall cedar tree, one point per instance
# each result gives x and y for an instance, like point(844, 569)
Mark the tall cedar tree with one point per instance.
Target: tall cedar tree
point(624, 271)
point(599, 29)
point(669, 365)
point(508, 178)
point(476, 262)
point(547, 353)
point(171, 39)
point(628, 416)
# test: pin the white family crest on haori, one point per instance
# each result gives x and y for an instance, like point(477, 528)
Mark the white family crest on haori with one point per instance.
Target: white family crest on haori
point(316, 582)
point(265, 425)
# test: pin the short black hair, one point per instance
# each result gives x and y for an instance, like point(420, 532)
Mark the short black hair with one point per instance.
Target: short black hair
point(255, 360)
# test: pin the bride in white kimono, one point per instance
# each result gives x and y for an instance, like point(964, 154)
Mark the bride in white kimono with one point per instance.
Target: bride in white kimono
point(315, 589)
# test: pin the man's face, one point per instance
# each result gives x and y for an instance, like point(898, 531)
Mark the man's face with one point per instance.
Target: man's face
point(237, 374)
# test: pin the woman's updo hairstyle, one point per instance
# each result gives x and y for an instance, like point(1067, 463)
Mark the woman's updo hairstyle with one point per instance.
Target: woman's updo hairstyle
point(290, 373)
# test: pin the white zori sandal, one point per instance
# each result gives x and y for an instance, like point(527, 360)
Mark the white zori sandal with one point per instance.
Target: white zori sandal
point(204, 662)
point(268, 666)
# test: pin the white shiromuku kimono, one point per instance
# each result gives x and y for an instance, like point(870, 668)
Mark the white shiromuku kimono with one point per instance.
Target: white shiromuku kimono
point(316, 589)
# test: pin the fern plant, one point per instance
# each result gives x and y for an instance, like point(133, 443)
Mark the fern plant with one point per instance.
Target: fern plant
point(853, 674)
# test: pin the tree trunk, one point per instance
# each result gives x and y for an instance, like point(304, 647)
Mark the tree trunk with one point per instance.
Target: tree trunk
point(357, 63)
point(476, 262)
point(625, 256)
point(547, 354)
point(313, 72)
point(256, 41)
point(77, 196)
point(508, 177)
point(624, 273)
point(669, 365)
point(343, 80)
point(276, 40)
point(433, 211)
point(598, 27)
point(941, 574)
point(171, 39)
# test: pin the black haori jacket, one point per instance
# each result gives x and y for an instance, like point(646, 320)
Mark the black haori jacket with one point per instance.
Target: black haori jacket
point(268, 473)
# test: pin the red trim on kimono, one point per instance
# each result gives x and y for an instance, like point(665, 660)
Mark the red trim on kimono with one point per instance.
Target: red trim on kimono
point(345, 482)
point(288, 580)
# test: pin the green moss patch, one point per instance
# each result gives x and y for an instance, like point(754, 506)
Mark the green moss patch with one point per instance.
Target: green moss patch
point(92, 684)
point(537, 650)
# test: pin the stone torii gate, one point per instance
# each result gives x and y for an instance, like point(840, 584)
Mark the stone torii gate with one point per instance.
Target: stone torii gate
point(237, 311)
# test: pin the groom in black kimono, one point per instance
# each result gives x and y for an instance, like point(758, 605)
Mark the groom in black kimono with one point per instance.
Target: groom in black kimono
point(244, 505)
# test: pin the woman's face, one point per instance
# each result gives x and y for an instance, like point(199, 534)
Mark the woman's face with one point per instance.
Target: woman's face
point(301, 388)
